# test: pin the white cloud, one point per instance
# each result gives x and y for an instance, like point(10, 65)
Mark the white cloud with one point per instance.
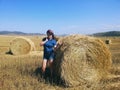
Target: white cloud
point(111, 27)
point(88, 29)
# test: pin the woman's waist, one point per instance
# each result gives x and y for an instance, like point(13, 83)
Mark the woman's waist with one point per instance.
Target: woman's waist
point(48, 51)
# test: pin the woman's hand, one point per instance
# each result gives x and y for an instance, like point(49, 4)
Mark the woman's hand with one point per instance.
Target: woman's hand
point(57, 45)
point(43, 42)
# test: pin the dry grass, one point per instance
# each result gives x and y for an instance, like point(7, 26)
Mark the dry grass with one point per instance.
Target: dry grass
point(19, 72)
point(22, 72)
point(113, 83)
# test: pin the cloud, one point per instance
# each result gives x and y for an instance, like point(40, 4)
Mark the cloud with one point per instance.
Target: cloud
point(111, 27)
point(88, 29)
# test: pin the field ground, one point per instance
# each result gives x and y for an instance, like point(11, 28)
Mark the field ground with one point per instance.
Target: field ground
point(22, 72)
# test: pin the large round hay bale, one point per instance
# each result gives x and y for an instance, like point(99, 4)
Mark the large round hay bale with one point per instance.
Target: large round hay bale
point(81, 60)
point(21, 45)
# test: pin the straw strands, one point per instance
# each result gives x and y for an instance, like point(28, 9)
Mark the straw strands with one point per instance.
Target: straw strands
point(81, 60)
point(21, 45)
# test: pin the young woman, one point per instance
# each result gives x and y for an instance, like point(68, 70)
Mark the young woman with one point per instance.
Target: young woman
point(49, 44)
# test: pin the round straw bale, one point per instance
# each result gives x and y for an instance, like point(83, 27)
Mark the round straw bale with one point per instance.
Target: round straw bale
point(21, 45)
point(108, 41)
point(81, 60)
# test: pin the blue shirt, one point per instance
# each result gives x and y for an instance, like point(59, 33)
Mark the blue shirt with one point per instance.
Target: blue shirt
point(49, 45)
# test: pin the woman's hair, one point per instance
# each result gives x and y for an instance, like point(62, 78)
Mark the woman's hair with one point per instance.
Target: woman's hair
point(50, 32)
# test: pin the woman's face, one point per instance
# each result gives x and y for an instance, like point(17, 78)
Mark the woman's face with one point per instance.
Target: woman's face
point(49, 36)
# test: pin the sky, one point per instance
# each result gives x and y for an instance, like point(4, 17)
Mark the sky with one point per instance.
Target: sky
point(61, 16)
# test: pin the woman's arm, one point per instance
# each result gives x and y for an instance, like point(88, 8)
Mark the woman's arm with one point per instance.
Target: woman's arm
point(43, 42)
point(58, 44)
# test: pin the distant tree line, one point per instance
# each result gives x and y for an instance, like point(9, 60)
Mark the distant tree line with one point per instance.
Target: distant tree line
point(110, 33)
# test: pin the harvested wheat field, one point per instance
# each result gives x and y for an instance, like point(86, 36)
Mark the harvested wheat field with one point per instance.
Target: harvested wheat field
point(82, 65)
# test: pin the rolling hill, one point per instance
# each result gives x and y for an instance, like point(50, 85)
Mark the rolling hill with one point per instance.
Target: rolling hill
point(110, 33)
point(17, 33)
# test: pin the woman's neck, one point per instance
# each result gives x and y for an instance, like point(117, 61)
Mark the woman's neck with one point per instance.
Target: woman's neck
point(50, 38)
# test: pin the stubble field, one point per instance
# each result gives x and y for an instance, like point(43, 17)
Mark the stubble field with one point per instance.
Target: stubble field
point(22, 72)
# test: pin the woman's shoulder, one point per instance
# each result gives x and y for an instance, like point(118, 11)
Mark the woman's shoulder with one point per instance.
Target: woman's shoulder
point(54, 40)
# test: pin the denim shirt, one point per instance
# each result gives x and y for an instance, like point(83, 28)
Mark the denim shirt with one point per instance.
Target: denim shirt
point(49, 45)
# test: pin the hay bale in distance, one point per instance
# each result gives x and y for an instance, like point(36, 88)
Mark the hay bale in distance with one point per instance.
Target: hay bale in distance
point(21, 45)
point(81, 60)
point(108, 41)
